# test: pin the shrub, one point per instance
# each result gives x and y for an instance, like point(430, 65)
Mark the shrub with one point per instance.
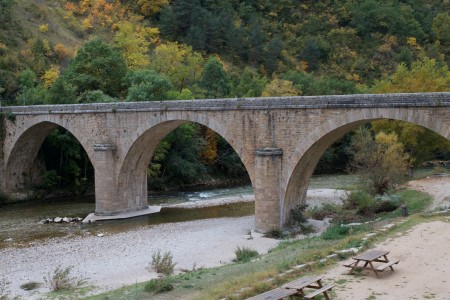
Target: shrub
point(29, 286)
point(323, 211)
point(335, 232)
point(162, 263)
point(297, 216)
point(362, 201)
point(60, 279)
point(245, 254)
point(159, 285)
point(275, 234)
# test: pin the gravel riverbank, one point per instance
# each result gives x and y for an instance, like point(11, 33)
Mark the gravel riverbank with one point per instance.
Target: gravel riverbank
point(113, 260)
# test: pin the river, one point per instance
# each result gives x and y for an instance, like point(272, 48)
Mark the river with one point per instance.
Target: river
point(19, 223)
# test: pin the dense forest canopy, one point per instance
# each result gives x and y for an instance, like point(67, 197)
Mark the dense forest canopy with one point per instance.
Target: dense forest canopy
point(109, 50)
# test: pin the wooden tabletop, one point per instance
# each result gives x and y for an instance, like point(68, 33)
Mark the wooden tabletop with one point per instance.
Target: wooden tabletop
point(302, 282)
point(371, 255)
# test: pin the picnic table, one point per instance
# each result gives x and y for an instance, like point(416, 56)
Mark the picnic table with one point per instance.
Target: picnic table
point(297, 288)
point(313, 282)
point(369, 258)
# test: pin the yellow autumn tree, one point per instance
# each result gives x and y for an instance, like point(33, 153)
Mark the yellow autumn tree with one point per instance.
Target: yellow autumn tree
point(134, 42)
point(209, 153)
point(178, 62)
point(50, 76)
point(425, 75)
point(151, 7)
point(280, 87)
point(381, 162)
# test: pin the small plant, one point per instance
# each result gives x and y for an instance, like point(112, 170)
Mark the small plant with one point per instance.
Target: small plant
point(61, 279)
point(323, 211)
point(297, 216)
point(11, 116)
point(335, 232)
point(159, 285)
point(244, 254)
point(162, 263)
point(275, 233)
point(29, 286)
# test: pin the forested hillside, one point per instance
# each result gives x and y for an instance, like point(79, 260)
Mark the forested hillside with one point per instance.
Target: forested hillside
point(109, 50)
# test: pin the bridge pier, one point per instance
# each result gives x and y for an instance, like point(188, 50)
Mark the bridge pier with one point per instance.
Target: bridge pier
point(268, 199)
point(106, 202)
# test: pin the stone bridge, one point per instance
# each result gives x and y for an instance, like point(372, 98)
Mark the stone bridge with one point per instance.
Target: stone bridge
point(279, 140)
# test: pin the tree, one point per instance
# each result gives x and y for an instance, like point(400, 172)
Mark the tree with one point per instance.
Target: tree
point(147, 85)
point(151, 7)
point(215, 80)
point(178, 62)
point(280, 87)
point(134, 45)
point(381, 162)
point(250, 84)
point(441, 27)
point(97, 66)
point(5, 10)
point(425, 75)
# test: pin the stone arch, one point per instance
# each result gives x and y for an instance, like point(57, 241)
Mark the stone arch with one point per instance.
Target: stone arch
point(23, 153)
point(309, 151)
point(132, 178)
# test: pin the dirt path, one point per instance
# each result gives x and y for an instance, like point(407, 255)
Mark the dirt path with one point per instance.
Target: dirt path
point(438, 187)
point(424, 254)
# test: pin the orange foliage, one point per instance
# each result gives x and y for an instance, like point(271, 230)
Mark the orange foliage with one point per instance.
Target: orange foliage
point(62, 52)
point(209, 154)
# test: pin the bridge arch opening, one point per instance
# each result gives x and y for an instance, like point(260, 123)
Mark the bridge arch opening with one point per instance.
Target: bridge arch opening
point(311, 150)
point(178, 154)
point(48, 156)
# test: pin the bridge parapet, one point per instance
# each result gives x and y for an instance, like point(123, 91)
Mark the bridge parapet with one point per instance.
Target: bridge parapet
point(297, 102)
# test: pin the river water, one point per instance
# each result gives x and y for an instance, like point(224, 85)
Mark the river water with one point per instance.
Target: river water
point(19, 223)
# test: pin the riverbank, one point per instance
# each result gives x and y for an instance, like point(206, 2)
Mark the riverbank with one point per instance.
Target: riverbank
point(109, 261)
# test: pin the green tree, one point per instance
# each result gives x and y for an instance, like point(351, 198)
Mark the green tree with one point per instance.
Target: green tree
point(97, 66)
point(62, 92)
point(381, 162)
point(215, 80)
point(5, 10)
point(251, 84)
point(146, 85)
point(441, 27)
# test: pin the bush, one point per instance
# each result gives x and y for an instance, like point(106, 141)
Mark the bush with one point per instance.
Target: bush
point(275, 234)
point(297, 216)
point(159, 285)
point(335, 232)
point(245, 254)
point(29, 286)
point(323, 211)
point(362, 201)
point(162, 263)
point(60, 279)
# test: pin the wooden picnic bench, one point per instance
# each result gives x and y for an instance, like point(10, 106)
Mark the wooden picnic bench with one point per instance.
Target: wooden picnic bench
point(369, 258)
point(313, 282)
point(297, 288)
point(275, 294)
